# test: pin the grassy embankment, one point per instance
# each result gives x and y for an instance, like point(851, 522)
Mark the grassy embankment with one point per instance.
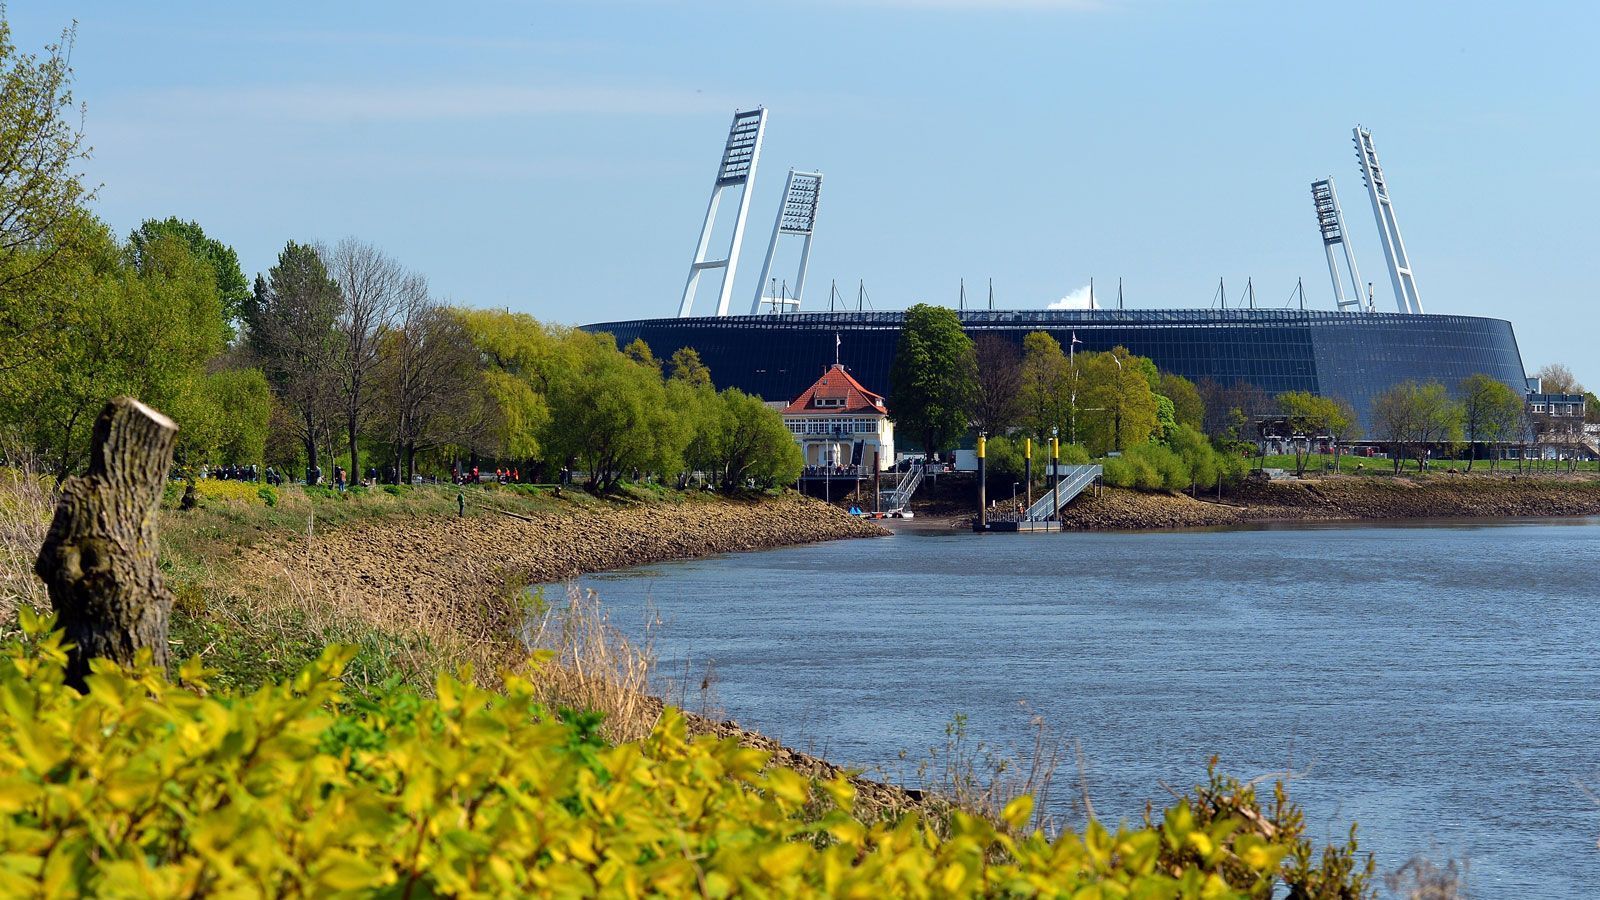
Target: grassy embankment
point(264, 579)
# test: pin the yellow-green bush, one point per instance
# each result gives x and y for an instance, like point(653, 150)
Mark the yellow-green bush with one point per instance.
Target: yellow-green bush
point(229, 490)
point(146, 787)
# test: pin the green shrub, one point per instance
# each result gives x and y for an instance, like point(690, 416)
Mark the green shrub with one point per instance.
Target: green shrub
point(268, 494)
point(393, 490)
point(1116, 472)
point(142, 786)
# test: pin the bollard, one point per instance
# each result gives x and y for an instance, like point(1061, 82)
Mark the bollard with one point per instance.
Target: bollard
point(982, 522)
point(1027, 468)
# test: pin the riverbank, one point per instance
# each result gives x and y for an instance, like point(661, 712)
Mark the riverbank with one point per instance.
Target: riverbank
point(1340, 498)
point(264, 578)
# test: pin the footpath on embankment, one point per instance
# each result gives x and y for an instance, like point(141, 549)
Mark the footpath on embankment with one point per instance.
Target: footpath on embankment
point(1341, 498)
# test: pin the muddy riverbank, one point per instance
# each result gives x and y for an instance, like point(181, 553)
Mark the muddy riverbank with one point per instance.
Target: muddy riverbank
point(1339, 498)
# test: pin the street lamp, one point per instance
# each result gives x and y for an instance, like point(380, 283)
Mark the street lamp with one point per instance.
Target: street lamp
point(1116, 423)
point(1055, 471)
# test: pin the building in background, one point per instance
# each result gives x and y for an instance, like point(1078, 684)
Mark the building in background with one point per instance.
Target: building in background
point(1354, 356)
point(840, 425)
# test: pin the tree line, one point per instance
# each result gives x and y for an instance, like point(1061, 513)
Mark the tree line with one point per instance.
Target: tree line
point(1158, 429)
point(336, 356)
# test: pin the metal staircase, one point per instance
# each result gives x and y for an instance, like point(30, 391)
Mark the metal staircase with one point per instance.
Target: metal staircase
point(1074, 479)
point(891, 500)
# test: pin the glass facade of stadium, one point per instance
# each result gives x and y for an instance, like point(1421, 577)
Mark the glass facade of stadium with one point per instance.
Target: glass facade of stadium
point(1354, 356)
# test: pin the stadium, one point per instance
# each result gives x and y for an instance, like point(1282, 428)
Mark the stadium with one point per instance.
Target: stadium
point(1351, 352)
point(1350, 355)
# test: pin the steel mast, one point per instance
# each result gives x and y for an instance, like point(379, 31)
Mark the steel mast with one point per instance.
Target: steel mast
point(737, 169)
point(1330, 221)
point(1394, 248)
point(797, 215)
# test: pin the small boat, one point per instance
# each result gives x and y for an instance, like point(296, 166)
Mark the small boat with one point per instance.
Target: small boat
point(901, 514)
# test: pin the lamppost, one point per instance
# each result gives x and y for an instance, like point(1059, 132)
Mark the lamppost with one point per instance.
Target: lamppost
point(1116, 435)
point(1055, 472)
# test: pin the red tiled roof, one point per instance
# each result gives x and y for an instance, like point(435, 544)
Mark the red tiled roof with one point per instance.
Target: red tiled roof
point(836, 384)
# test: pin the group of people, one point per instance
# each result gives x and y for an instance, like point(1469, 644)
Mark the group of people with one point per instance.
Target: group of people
point(232, 473)
point(501, 476)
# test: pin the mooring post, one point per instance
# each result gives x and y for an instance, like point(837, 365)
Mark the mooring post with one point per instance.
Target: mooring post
point(1027, 468)
point(982, 522)
point(1055, 475)
point(99, 557)
point(877, 483)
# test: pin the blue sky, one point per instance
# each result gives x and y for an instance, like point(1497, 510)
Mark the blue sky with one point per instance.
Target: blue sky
point(556, 157)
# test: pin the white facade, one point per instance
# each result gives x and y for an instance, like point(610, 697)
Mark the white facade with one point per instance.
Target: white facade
point(829, 441)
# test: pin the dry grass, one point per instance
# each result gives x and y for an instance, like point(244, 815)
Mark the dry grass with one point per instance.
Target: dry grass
point(591, 664)
point(982, 778)
point(26, 505)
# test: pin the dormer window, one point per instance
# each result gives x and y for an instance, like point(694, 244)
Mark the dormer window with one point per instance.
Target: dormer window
point(828, 402)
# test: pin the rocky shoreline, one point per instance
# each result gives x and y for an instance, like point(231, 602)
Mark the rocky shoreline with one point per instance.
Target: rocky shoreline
point(1340, 498)
point(477, 558)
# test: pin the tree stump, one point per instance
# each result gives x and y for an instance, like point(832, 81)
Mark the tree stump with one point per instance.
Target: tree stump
point(99, 558)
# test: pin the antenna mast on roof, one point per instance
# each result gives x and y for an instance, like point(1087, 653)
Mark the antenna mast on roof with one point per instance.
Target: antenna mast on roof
point(1330, 222)
point(737, 169)
point(1394, 249)
point(991, 295)
point(797, 215)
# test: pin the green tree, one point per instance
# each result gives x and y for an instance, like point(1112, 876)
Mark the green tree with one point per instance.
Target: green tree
point(1489, 413)
point(1123, 407)
point(755, 444)
point(1414, 416)
point(1199, 457)
point(232, 288)
point(521, 358)
point(934, 377)
point(638, 351)
point(1187, 406)
point(42, 195)
point(1045, 388)
point(685, 366)
point(293, 332)
point(117, 329)
point(610, 415)
point(222, 418)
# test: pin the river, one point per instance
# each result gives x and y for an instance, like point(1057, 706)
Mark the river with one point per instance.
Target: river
point(1437, 683)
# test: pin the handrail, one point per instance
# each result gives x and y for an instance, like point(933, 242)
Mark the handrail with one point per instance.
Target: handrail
point(1075, 480)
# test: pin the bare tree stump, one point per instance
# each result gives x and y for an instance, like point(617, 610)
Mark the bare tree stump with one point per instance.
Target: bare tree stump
point(99, 558)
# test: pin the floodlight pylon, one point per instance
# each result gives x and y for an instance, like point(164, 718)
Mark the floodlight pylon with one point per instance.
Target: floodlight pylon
point(1394, 248)
point(797, 215)
point(1330, 222)
point(737, 169)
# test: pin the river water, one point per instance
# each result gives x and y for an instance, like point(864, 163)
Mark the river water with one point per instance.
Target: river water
point(1436, 683)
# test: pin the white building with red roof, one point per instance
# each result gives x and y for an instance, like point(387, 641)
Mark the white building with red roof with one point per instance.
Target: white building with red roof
point(840, 425)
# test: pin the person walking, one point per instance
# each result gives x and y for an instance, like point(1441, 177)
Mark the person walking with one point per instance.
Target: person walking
point(461, 504)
